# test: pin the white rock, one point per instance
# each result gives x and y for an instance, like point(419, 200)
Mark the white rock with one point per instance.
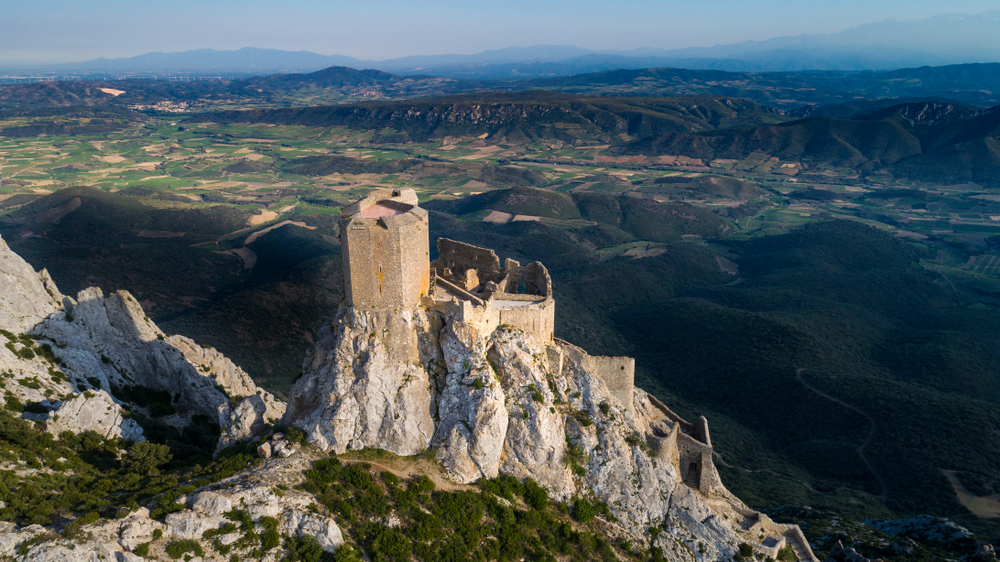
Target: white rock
point(473, 420)
point(230, 538)
point(246, 421)
point(211, 503)
point(67, 551)
point(355, 393)
point(323, 529)
point(284, 449)
point(94, 411)
point(26, 297)
point(137, 529)
point(191, 525)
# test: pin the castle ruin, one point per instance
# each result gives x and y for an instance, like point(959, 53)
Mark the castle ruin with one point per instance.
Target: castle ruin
point(388, 273)
point(385, 245)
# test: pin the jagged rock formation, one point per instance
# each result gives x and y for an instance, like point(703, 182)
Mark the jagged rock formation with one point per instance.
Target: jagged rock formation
point(76, 356)
point(27, 297)
point(473, 371)
point(355, 394)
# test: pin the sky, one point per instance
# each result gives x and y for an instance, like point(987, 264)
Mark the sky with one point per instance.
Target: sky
point(51, 31)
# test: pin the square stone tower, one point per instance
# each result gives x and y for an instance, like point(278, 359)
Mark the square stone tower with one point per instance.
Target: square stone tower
point(385, 243)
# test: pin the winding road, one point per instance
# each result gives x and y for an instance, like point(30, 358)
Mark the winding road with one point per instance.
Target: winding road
point(871, 433)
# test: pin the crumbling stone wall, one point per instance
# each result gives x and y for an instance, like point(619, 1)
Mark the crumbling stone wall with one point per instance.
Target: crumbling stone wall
point(474, 275)
point(458, 257)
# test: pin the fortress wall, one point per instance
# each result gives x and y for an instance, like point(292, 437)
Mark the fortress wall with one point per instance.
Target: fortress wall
point(700, 431)
point(617, 373)
point(695, 455)
point(537, 320)
point(670, 414)
point(666, 447)
point(459, 256)
point(537, 280)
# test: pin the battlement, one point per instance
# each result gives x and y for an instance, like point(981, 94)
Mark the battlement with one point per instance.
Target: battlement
point(385, 243)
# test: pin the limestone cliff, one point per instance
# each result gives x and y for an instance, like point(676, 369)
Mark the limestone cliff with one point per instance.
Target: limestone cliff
point(73, 357)
point(500, 402)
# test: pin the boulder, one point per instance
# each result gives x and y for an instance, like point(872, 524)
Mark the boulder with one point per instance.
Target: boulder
point(245, 422)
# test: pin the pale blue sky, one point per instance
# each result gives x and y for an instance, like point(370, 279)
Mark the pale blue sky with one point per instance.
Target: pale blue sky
point(38, 31)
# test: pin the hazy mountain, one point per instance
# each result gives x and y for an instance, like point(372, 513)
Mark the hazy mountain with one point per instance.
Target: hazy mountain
point(886, 45)
point(247, 60)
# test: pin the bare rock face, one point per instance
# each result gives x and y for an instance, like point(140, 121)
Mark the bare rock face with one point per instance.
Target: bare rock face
point(227, 376)
point(535, 445)
point(471, 407)
point(26, 297)
point(357, 392)
point(246, 421)
point(94, 411)
point(68, 551)
point(503, 406)
point(97, 343)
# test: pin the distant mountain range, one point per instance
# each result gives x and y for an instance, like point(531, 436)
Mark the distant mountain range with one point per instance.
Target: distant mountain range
point(804, 94)
point(941, 40)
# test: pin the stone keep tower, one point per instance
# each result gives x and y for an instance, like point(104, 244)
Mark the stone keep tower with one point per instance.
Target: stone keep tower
point(384, 239)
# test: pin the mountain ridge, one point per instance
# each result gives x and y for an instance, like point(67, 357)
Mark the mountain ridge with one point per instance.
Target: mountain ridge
point(883, 45)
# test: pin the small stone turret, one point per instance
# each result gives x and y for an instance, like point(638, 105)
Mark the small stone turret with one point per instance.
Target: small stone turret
point(385, 243)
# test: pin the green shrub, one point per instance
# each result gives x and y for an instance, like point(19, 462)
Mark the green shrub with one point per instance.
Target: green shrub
point(296, 435)
point(270, 538)
point(582, 510)
point(177, 549)
point(534, 495)
point(73, 528)
point(145, 458)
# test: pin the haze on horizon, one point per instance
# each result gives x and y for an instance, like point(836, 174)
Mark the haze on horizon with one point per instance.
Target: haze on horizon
point(55, 31)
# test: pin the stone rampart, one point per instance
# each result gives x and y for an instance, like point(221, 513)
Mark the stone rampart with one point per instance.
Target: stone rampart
point(617, 373)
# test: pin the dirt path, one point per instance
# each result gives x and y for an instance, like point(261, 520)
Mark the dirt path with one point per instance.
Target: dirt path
point(871, 433)
point(406, 467)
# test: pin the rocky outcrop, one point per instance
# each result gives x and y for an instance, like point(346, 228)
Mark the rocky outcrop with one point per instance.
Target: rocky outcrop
point(472, 411)
point(356, 393)
point(105, 345)
point(26, 297)
point(94, 411)
point(494, 403)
